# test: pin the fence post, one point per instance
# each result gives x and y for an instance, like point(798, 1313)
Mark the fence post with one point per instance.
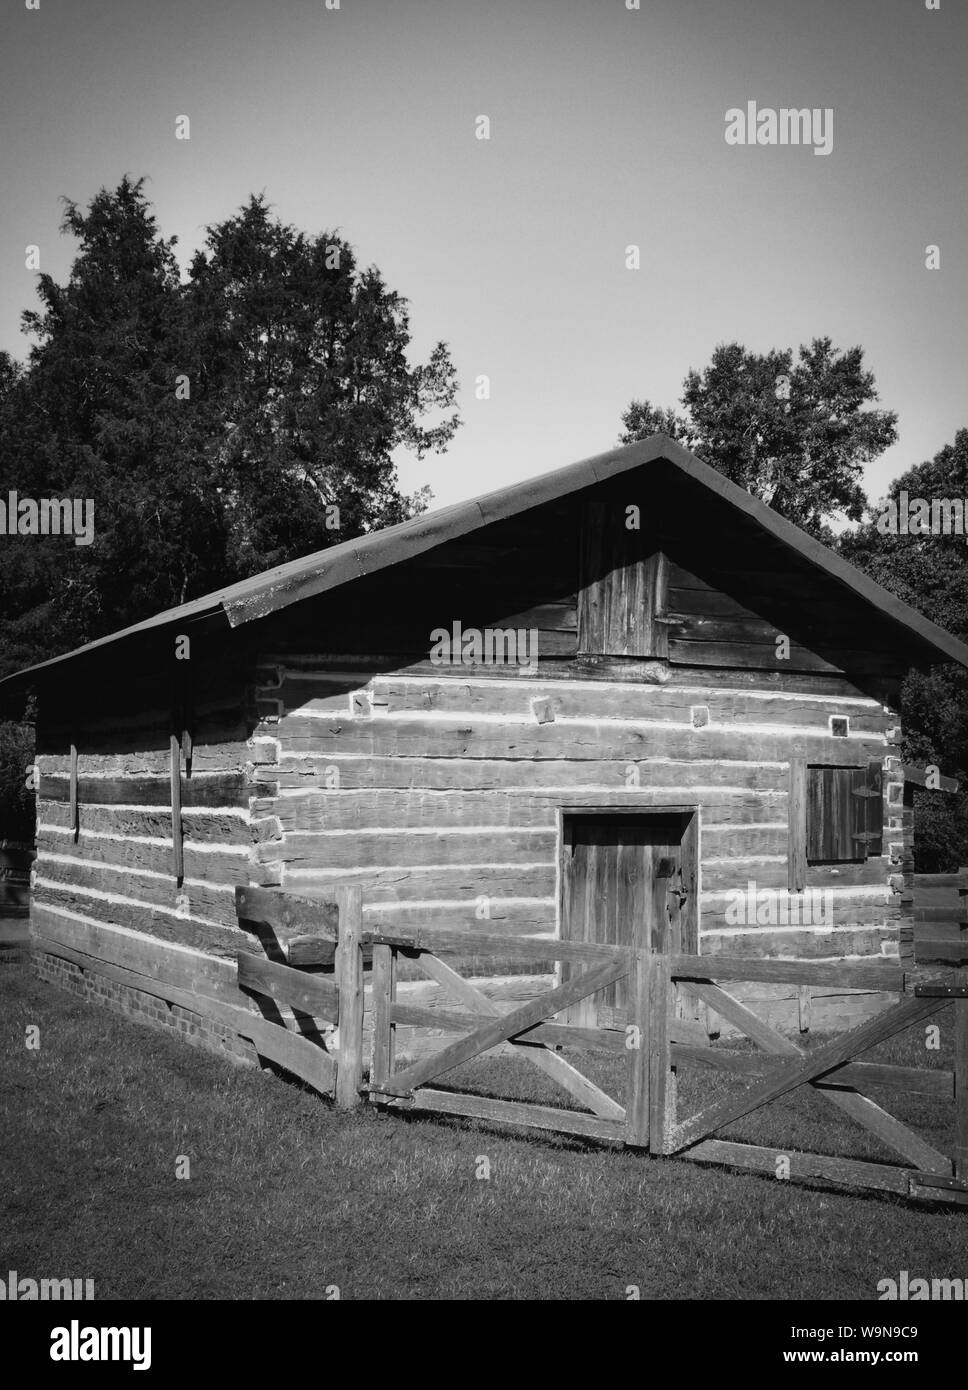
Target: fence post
point(961, 1044)
point(349, 979)
point(384, 1029)
point(960, 1007)
point(661, 1078)
point(637, 1111)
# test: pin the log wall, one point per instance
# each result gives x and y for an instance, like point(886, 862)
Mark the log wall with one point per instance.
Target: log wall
point(108, 851)
point(437, 791)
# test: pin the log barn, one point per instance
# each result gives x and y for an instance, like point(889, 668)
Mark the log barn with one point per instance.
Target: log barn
point(621, 702)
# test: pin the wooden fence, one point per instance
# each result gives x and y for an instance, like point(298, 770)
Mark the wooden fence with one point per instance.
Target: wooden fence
point(941, 918)
point(655, 1035)
point(311, 932)
point(657, 1042)
point(317, 960)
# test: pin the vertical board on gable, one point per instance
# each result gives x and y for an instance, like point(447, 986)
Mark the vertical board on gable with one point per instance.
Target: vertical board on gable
point(621, 577)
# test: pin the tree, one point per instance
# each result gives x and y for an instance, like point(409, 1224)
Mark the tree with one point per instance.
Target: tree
point(17, 815)
point(214, 423)
point(796, 435)
point(931, 573)
point(303, 356)
point(642, 419)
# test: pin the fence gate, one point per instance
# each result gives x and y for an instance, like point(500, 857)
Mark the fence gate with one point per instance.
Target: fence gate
point(484, 1026)
point(652, 1032)
point(657, 1043)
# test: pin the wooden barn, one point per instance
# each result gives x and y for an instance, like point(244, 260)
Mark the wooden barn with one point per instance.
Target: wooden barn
point(621, 703)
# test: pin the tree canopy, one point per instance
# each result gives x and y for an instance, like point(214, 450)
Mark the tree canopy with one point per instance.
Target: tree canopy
point(796, 434)
point(931, 573)
point(221, 423)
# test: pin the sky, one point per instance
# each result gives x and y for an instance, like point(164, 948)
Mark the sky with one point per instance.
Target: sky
point(607, 130)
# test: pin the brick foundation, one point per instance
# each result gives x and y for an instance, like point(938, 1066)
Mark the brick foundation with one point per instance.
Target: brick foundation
point(144, 1008)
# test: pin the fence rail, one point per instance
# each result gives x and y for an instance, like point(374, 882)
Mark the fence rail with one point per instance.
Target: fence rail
point(659, 1041)
point(321, 1038)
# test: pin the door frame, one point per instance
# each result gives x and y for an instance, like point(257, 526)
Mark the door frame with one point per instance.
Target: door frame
point(612, 803)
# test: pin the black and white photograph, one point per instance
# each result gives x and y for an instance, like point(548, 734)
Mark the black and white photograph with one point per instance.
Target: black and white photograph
point(483, 673)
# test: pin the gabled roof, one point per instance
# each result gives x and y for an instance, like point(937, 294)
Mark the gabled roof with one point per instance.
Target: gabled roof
point(275, 589)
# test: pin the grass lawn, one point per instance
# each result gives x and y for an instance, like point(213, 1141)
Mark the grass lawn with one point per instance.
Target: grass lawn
point(287, 1197)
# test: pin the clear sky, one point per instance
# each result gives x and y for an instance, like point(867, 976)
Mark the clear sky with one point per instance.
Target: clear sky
point(607, 129)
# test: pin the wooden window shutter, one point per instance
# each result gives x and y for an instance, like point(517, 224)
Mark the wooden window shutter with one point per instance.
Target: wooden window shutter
point(868, 790)
point(845, 813)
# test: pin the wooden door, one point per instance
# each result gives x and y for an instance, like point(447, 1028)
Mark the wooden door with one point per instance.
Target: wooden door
point(627, 879)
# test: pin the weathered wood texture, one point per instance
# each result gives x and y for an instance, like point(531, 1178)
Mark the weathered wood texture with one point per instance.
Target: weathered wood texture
point(349, 975)
point(435, 790)
point(187, 978)
point(439, 795)
point(621, 583)
point(940, 911)
point(155, 849)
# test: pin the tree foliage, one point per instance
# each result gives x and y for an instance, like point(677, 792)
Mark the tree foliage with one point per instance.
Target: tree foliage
point(215, 421)
point(931, 573)
point(796, 434)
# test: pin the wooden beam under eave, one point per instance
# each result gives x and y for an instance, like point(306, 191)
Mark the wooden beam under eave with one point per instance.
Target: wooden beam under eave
point(797, 827)
point(75, 823)
point(178, 851)
point(918, 777)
